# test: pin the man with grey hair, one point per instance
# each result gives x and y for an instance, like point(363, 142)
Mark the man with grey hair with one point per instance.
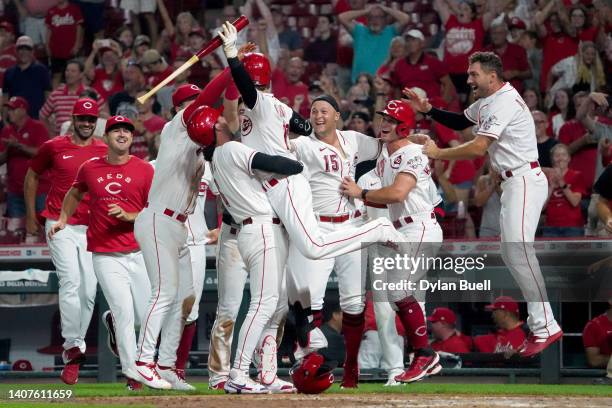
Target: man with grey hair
point(513, 56)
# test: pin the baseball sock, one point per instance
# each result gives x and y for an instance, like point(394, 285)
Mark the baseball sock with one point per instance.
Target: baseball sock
point(352, 330)
point(411, 315)
point(182, 353)
point(317, 318)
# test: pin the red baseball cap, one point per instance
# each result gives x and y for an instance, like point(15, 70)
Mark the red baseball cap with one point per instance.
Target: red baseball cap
point(85, 107)
point(22, 365)
point(16, 102)
point(505, 303)
point(184, 92)
point(7, 26)
point(116, 121)
point(516, 22)
point(442, 314)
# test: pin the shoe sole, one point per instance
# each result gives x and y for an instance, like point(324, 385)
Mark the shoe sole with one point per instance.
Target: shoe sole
point(234, 390)
point(110, 336)
point(268, 360)
point(425, 371)
point(555, 338)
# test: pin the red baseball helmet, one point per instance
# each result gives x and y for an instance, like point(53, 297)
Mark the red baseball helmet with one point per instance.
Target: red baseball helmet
point(310, 377)
point(201, 125)
point(402, 112)
point(258, 67)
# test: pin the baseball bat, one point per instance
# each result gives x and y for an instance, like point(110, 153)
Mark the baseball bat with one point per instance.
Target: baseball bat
point(212, 45)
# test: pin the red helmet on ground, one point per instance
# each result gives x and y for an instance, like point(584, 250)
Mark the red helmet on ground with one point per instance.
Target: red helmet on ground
point(201, 125)
point(402, 112)
point(258, 67)
point(310, 377)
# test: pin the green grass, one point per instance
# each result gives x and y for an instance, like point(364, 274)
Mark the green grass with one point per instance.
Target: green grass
point(118, 390)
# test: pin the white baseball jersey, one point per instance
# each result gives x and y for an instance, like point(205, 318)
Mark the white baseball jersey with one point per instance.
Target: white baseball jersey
point(240, 191)
point(176, 183)
point(408, 159)
point(265, 128)
point(327, 166)
point(505, 117)
point(371, 181)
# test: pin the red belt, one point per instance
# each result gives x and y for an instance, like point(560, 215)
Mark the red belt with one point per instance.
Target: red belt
point(407, 220)
point(233, 230)
point(249, 220)
point(271, 183)
point(173, 214)
point(535, 164)
point(339, 218)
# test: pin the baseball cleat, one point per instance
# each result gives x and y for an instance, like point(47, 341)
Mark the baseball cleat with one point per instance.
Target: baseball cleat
point(434, 370)
point(267, 364)
point(535, 345)
point(72, 360)
point(350, 378)
point(111, 339)
point(148, 375)
point(278, 386)
point(419, 368)
point(391, 382)
point(217, 382)
point(133, 385)
point(171, 375)
point(240, 383)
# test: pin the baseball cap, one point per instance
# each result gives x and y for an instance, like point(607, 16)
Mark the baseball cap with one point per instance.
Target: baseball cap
point(414, 33)
point(184, 92)
point(150, 56)
point(505, 303)
point(142, 39)
point(361, 115)
point(7, 26)
point(16, 102)
point(442, 314)
point(85, 107)
point(24, 41)
point(516, 22)
point(22, 365)
point(118, 121)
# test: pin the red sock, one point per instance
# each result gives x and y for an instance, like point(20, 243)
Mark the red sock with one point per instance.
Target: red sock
point(182, 353)
point(352, 330)
point(317, 318)
point(411, 315)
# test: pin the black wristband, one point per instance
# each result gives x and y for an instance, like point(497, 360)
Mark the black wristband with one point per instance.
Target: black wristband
point(363, 193)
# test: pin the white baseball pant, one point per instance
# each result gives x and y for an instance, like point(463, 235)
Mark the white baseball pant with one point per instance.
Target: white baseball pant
point(373, 353)
point(231, 278)
point(522, 199)
point(77, 282)
point(126, 287)
point(163, 243)
point(263, 247)
point(197, 254)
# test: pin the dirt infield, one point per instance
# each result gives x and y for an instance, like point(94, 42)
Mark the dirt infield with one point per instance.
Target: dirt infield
point(350, 400)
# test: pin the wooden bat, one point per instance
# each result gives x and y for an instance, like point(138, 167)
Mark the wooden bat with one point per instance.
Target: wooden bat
point(212, 45)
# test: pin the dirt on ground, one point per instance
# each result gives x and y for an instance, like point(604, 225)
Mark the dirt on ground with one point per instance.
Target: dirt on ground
point(348, 400)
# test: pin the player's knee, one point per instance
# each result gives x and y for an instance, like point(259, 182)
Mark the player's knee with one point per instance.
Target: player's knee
point(352, 305)
point(187, 305)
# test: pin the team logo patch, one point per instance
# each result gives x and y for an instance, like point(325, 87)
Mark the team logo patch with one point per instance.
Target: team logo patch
point(415, 162)
point(489, 122)
point(247, 126)
point(396, 162)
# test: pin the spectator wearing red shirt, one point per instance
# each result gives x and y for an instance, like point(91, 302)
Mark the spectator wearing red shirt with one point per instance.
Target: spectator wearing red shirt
point(509, 336)
point(565, 190)
point(514, 57)
point(8, 53)
point(58, 106)
point(19, 141)
point(64, 36)
point(289, 88)
point(106, 77)
point(582, 146)
point(597, 339)
point(146, 127)
point(422, 70)
point(577, 24)
point(157, 67)
point(447, 337)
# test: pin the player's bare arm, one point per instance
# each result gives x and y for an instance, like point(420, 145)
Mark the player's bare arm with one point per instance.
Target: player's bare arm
point(30, 185)
point(476, 147)
point(213, 236)
point(395, 193)
point(71, 202)
point(604, 213)
point(116, 211)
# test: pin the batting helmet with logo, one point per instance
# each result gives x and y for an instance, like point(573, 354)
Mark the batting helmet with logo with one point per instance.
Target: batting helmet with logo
point(312, 375)
point(403, 113)
point(201, 125)
point(258, 67)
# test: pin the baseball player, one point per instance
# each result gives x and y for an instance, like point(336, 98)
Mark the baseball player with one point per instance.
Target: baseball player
point(118, 185)
point(262, 241)
point(505, 129)
point(330, 155)
point(407, 190)
point(161, 232)
point(265, 127)
point(62, 156)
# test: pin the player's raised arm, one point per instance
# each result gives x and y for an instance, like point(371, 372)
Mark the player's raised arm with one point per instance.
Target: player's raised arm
point(453, 120)
point(276, 164)
point(243, 81)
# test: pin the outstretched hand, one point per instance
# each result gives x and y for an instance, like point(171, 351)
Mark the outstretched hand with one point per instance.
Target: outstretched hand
point(229, 36)
point(420, 104)
point(245, 49)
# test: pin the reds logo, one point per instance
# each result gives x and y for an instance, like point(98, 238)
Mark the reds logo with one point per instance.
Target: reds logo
point(247, 126)
point(396, 162)
point(392, 106)
point(113, 187)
